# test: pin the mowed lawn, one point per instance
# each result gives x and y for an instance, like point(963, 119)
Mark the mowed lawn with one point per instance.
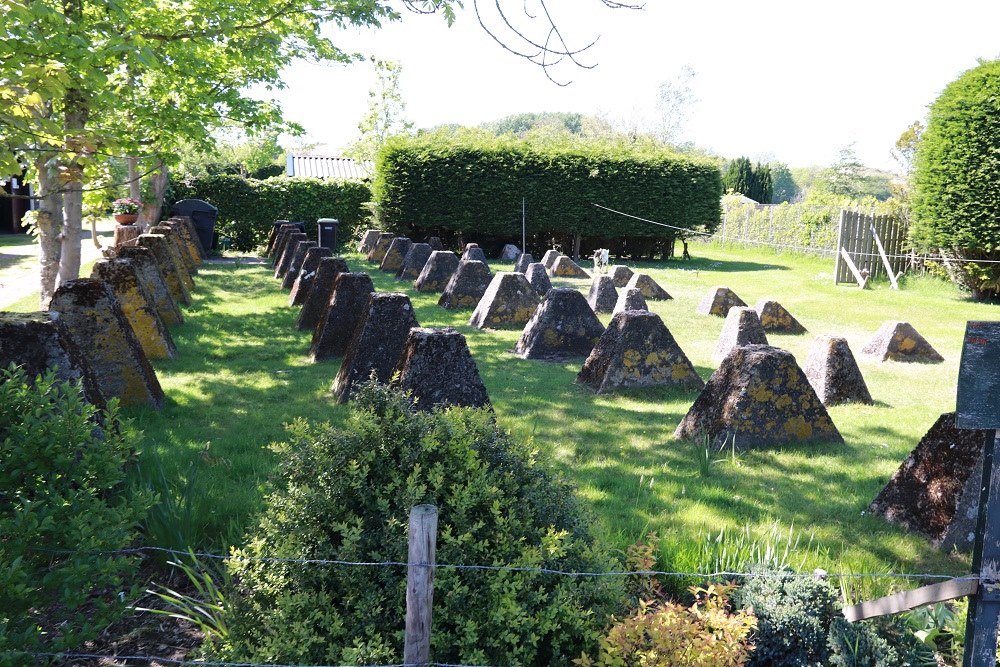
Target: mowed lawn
point(243, 371)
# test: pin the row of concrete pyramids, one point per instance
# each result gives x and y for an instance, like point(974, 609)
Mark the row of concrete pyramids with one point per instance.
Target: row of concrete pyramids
point(377, 334)
point(104, 329)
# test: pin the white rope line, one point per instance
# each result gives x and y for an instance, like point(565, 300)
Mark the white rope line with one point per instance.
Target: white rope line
point(652, 222)
point(537, 570)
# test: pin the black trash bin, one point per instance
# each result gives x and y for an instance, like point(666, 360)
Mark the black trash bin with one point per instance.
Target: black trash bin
point(328, 233)
point(203, 215)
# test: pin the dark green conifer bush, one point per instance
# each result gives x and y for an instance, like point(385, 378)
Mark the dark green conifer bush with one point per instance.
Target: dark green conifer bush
point(346, 495)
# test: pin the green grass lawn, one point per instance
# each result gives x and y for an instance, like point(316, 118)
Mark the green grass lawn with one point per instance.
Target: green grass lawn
point(242, 372)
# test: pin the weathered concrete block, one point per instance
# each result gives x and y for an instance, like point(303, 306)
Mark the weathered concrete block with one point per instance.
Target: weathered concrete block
point(377, 343)
point(176, 252)
point(348, 304)
point(394, 256)
point(153, 280)
point(602, 296)
point(382, 243)
point(189, 238)
point(523, 260)
point(95, 322)
point(510, 253)
point(37, 343)
point(650, 289)
point(295, 266)
point(467, 285)
point(550, 257)
point(136, 304)
point(306, 273)
point(637, 350)
point(435, 384)
point(631, 298)
point(280, 242)
point(438, 270)
point(368, 241)
point(160, 247)
point(774, 317)
point(474, 253)
point(899, 341)
point(834, 374)
point(272, 237)
point(563, 327)
point(621, 274)
point(935, 492)
point(320, 292)
point(758, 398)
point(718, 301)
point(509, 302)
point(188, 224)
point(742, 327)
point(414, 262)
point(291, 243)
point(564, 267)
point(435, 243)
point(538, 277)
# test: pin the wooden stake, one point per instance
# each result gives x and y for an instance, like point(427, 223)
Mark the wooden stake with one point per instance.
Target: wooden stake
point(420, 584)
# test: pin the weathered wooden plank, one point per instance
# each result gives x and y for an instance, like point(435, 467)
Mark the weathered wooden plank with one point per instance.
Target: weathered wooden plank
point(893, 604)
point(885, 260)
point(420, 584)
point(862, 280)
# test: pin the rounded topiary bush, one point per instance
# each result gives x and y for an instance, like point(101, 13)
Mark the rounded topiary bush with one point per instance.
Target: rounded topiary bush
point(65, 507)
point(956, 179)
point(346, 495)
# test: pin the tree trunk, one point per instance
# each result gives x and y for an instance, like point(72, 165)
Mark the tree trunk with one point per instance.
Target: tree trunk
point(76, 120)
point(149, 214)
point(576, 247)
point(50, 222)
point(134, 186)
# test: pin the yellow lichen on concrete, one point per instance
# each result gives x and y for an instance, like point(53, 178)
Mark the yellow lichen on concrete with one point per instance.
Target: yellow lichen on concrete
point(799, 427)
point(680, 372)
point(552, 338)
point(907, 344)
point(761, 393)
point(631, 358)
point(783, 401)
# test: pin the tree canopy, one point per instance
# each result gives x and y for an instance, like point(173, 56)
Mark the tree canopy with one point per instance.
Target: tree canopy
point(956, 178)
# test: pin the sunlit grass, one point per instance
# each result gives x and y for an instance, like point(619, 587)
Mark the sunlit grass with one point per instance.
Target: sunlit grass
point(242, 372)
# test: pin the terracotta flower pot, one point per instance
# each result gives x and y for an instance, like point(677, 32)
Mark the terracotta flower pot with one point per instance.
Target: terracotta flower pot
point(126, 218)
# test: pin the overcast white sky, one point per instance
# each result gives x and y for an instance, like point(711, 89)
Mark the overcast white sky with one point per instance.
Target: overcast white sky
point(792, 80)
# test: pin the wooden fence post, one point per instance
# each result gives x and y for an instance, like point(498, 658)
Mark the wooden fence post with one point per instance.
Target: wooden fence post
point(420, 584)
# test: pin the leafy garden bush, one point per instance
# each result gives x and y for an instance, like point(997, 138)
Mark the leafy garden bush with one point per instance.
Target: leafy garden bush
point(346, 495)
point(63, 501)
point(668, 634)
point(799, 624)
point(247, 206)
point(444, 184)
point(956, 179)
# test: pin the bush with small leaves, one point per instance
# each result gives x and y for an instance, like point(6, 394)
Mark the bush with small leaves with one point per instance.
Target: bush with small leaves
point(799, 624)
point(346, 495)
point(668, 634)
point(64, 503)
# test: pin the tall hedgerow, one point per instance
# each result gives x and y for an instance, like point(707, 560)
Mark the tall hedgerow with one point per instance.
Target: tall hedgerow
point(248, 207)
point(956, 179)
point(346, 495)
point(475, 183)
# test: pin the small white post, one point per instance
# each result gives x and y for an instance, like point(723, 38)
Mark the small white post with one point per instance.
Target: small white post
point(420, 584)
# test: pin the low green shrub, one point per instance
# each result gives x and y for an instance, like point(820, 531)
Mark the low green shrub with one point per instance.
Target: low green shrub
point(668, 634)
point(799, 624)
point(346, 495)
point(64, 503)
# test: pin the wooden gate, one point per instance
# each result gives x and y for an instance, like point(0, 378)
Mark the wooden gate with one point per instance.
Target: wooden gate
point(874, 244)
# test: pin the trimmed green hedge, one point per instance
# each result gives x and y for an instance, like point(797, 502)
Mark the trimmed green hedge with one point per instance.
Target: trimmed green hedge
point(472, 184)
point(956, 179)
point(247, 206)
